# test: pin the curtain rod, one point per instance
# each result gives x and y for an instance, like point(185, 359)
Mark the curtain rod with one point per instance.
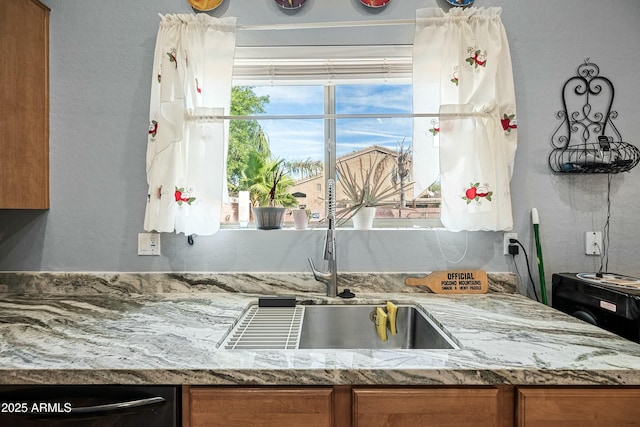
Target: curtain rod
point(335, 24)
point(338, 116)
point(309, 25)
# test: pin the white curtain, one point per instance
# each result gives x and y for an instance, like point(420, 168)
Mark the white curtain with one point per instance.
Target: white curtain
point(462, 69)
point(187, 149)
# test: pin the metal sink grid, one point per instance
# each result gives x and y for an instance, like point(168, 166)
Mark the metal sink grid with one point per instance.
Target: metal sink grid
point(276, 328)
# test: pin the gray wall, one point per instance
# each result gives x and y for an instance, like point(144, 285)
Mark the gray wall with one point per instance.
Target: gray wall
point(101, 56)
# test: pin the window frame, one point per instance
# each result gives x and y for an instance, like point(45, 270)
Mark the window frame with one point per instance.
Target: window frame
point(329, 66)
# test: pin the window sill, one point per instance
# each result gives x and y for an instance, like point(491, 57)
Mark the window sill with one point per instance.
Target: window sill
point(379, 224)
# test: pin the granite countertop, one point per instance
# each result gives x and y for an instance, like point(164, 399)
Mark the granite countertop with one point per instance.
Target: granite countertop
point(173, 338)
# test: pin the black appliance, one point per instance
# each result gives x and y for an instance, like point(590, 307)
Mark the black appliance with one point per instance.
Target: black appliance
point(610, 301)
point(89, 406)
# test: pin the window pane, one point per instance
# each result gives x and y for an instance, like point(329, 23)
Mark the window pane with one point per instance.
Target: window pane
point(381, 149)
point(381, 144)
point(297, 143)
point(300, 144)
point(360, 134)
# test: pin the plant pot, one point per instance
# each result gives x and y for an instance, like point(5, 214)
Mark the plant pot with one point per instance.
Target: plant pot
point(268, 218)
point(363, 219)
point(300, 219)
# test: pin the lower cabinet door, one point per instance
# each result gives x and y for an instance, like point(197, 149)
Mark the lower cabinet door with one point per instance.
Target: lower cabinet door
point(263, 406)
point(578, 407)
point(434, 407)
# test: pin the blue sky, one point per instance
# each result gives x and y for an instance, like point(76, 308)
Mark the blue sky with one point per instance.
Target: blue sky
point(303, 139)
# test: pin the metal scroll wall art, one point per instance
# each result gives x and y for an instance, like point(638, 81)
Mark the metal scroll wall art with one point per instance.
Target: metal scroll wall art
point(587, 141)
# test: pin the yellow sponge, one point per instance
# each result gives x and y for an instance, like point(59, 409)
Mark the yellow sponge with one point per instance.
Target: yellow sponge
point(392, 311)
point(381, 323)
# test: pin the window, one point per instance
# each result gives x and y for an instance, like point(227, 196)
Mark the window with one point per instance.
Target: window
point(291, 107)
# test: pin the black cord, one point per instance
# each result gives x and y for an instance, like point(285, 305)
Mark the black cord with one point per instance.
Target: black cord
point(515, 264)
point(526, 257)
point(604, 258)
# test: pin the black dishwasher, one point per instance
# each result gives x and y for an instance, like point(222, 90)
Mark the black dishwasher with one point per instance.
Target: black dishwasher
point(89, 406)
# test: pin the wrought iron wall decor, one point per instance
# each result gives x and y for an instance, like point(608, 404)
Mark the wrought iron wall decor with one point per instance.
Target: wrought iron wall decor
point(587, 141)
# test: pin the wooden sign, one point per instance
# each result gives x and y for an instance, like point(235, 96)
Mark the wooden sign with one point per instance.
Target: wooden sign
point(453, 282)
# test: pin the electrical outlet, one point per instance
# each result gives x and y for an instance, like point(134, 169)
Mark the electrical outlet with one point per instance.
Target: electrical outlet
point(593, 243)
point(148, 243)
point(506, 242)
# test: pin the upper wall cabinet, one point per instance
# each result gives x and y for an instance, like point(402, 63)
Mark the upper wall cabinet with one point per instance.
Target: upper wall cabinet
point(24, 105)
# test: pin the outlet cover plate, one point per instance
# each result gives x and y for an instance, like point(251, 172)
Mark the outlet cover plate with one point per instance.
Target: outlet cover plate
point(508, 236)
point(148, 243)
point(593, 243)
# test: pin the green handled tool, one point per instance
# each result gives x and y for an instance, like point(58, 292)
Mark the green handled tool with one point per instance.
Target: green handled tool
point(536, 231)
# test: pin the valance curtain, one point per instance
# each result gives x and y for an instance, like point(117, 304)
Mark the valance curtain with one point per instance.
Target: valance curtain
point(186, 150)
point(462, 68)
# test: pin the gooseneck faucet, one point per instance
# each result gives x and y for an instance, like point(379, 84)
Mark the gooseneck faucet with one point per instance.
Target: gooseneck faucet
point(330, 277)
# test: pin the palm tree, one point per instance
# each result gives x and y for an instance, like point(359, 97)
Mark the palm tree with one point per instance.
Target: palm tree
point(402, 170)
point(267, 182)
point(304, 168)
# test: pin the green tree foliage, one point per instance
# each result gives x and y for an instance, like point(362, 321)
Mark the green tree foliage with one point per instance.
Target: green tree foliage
point(245, 136)
point(267, 182)
point(250, 165)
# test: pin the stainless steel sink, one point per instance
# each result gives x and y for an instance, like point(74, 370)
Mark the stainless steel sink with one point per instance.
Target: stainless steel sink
point(353, 327)
point(333, 327)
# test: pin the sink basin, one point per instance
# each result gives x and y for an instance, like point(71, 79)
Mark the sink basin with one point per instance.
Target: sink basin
point(352, 327)
point(332, 327)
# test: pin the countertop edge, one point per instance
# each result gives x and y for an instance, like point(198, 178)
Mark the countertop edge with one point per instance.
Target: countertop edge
point(311, 377)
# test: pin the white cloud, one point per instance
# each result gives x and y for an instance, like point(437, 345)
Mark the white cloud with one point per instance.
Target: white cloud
point(295, 139)
point(292, 99)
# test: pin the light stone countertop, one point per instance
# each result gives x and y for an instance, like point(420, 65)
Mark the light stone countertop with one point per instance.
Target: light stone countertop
point(130, 337)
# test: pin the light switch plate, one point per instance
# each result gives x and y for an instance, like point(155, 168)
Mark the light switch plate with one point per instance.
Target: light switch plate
point(148, 243)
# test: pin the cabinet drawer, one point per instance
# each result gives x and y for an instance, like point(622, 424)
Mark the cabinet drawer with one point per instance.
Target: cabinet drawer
point(265, 406)
point(578, 407)
point(442, 407)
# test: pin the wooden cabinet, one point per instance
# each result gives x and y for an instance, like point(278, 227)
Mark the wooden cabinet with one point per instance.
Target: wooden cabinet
point(258, 407)
point(345, 406)
point(578, 407)
point(439, 406)
point(396, 406)
point(24, 105)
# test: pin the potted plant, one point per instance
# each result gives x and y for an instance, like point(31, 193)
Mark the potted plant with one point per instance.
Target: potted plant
point(301, 218)
point(268, 186)
point(365, 189)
